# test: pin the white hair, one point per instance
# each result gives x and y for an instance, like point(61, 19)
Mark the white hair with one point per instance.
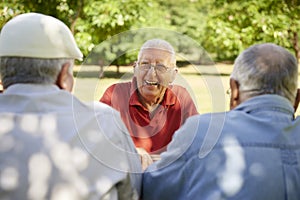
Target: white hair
point(161, 45)
point(31, 70)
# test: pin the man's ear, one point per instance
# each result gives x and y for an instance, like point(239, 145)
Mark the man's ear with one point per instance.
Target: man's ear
point(235, 94)
point(297, 100)
point(65, 79)
point(173, 75)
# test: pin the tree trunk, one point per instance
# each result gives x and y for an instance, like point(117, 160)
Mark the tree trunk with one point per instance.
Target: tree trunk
point(77, 15)
point(295, 43)
point(118, 69)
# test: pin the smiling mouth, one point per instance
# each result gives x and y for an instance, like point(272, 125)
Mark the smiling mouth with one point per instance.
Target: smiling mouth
point(151, 83)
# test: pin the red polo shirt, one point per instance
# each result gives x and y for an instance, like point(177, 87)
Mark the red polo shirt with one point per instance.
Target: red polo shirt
point(152, 134)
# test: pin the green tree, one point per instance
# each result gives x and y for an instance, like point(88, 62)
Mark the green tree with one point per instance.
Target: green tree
point(66, 10)
point(103, 19)
point(186, 17)
point(9, 9)
point(91, 21)
point(234, 25)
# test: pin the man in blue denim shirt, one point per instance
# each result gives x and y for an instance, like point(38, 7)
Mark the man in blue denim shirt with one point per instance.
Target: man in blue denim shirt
point(250, 152)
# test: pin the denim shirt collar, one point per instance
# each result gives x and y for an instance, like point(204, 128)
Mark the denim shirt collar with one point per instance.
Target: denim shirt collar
point(267, 102)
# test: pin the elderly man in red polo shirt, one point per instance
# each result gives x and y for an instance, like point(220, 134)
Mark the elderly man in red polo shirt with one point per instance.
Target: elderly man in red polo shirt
point(152, 107)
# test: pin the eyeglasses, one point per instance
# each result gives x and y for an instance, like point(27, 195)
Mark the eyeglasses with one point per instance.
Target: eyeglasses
point(159, 68)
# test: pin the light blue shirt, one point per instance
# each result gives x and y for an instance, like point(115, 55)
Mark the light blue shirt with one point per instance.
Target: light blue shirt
point(251, 152)
point(53, 146)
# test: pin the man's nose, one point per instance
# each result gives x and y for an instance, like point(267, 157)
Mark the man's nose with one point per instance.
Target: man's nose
point(152, 70)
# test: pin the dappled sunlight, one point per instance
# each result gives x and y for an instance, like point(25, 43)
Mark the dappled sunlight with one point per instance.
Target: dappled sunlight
point(102, 141)
point(30, 124)
point(39, 167)
point(70, 161)
point(101, 183)
point(6, 124)
point(81, 185)
point(124, 165)
point(257, 169)
point(80, 159)
point(61, 155)
point(64, 191)
point(74, 186)
point(93, 136)
point(230, 179)
point(39, 173)
point(48, 124)
point(56, 158)
point(9, 178)
point(44, 158)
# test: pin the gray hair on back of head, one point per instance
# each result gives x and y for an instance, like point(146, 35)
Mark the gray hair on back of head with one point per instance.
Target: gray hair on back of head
point(15, 70)
point(161, 45)
point(267, 69)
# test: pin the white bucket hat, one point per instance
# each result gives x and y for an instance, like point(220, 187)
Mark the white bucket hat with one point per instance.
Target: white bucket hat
point(37, 36)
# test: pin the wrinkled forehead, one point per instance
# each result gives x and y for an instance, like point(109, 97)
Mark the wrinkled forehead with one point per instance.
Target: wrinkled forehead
point(157, 55)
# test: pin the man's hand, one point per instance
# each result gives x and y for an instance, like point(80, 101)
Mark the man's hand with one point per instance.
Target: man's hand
point(146, 159)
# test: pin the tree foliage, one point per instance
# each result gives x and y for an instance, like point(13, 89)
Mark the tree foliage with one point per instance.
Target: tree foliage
point(223, 27)
point(234, 25)
point(103, 19)
point(91, 21)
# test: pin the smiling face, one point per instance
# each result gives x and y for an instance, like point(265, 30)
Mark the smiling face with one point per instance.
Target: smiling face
point(152, 83)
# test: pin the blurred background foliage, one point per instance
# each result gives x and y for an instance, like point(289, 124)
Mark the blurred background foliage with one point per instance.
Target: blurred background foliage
point(222, 27)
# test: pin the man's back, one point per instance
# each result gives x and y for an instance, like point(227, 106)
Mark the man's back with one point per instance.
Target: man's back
point(53, 145)
point(256, 155)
